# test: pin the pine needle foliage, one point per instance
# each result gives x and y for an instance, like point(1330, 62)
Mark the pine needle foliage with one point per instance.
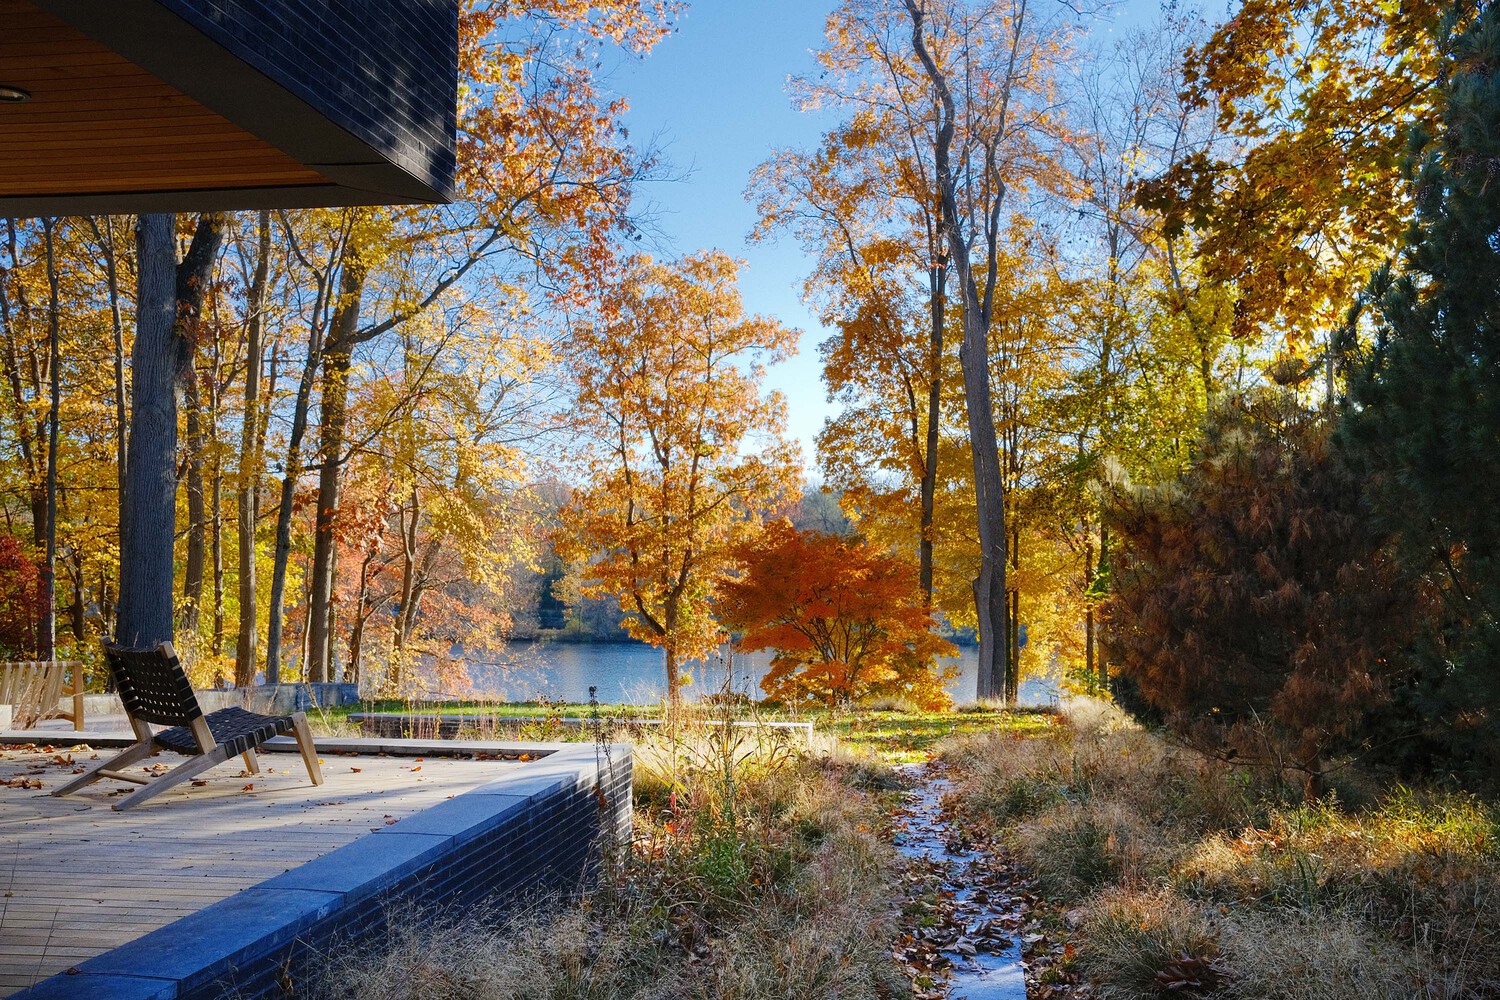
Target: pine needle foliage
point(1255, 608)
point(1422, 420)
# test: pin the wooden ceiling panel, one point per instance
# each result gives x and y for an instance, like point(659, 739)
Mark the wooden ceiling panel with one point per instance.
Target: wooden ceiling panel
point(97, 123)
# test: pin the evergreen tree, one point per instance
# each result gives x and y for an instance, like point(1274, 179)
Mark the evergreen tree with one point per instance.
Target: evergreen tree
point(1422, 422)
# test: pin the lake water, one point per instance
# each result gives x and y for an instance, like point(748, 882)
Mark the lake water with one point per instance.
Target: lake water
point(633, 673)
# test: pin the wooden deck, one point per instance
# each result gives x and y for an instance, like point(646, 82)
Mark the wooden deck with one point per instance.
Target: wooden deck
point(79, 879)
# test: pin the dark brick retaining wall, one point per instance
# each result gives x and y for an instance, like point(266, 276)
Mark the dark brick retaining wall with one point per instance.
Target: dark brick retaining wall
point(534, 832)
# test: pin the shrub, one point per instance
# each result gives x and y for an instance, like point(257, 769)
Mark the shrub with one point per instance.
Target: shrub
point(754, 873)
point(1253, 598)
point(845, 619)
point(1076, 848)
point(1283, 955)
point(20, 599)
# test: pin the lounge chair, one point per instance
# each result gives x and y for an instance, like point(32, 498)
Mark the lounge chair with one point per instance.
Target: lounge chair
point(154, 689)
point(34, 689)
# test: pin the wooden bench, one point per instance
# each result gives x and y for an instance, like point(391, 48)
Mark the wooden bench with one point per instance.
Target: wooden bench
point(35, 689)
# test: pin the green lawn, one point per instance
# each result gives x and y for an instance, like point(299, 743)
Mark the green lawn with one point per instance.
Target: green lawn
point(894, 736)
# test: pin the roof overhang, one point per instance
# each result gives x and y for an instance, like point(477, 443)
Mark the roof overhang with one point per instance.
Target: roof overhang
point(135, 107)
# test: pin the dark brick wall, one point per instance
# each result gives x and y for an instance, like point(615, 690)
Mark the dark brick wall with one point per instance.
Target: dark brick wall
point(385, 70)
point(552, 852)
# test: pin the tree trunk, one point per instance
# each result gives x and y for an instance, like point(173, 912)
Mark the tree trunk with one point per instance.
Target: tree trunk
point(192, 579)
point(216, 516)
point(674, 680)
point(106, 238)
point(292, 473)
point(337, 343)
point(1013, 629)
point(148, 512)
point(989, 488)
point(169, 299)
point(989, 499)
point(938, 283)
point(193, 277)
point(404, 610)
point(1100, 567)
point(47, 626)
point(332, 420)
point(1310, 760)
point(251, 442)
point(1088, 613)
point(363, 611)
point(79, 603)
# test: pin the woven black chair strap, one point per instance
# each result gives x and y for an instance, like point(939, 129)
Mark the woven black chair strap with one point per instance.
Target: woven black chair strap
point(152, 685)
point(233, 728)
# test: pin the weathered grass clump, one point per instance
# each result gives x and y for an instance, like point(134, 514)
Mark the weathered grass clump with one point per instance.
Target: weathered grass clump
point(1132, 936)
point(757, 870)
point(1163, 853)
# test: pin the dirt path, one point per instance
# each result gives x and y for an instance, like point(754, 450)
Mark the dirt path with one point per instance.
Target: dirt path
point(966, 940)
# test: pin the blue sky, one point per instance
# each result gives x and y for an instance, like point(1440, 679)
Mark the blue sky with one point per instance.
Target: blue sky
point(715, 95)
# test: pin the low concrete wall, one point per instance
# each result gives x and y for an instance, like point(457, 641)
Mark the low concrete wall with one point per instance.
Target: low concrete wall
point(535, 831)
point(268, 699)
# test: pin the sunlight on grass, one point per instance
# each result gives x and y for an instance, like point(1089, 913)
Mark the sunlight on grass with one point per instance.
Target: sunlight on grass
point(894, 736)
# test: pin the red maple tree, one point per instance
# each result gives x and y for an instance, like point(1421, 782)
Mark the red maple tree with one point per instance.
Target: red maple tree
point(845, 619)
point(20, 599)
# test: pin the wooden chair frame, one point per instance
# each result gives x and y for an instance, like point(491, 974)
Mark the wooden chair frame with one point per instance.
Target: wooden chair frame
point(209, 753)
point(35, 688)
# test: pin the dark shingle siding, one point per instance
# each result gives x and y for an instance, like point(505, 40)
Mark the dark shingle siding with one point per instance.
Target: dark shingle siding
point(385, 70)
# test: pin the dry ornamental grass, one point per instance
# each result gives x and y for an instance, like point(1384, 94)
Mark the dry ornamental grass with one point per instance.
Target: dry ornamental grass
point(1185, 876)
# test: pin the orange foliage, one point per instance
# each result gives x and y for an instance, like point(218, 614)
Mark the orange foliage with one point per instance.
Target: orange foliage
point(20, 599)
point(543, 158)
point(1318, 97)
point(686, 451)
point(845, 619)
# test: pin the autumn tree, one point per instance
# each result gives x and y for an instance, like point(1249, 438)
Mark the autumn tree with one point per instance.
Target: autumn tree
point(545, 172)
point(256, 276)
point(865, 205)
point(989, 71)
point(685, 453)
point(443, 508)
point(1149, 332)
point(1255, 590)
point(846, 620)
point(1297, 211)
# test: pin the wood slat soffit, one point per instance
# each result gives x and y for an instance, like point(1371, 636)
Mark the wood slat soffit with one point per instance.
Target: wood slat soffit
point(205, 105)
point(98, 124)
